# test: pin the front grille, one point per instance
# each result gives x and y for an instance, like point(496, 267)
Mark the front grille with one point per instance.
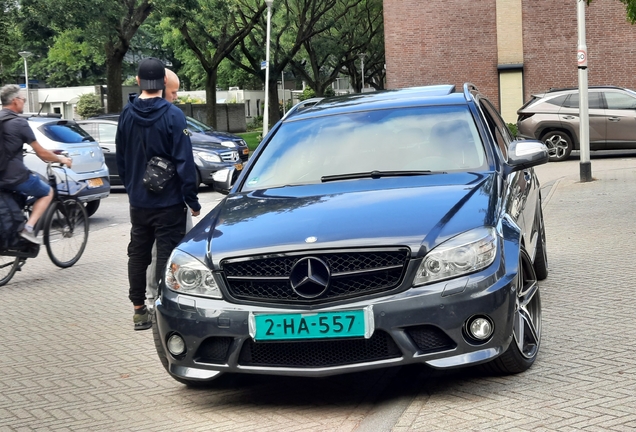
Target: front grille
point(230, 156)
point(429, 338)
point(214, 350)
point(319, 353)
point(353, 274)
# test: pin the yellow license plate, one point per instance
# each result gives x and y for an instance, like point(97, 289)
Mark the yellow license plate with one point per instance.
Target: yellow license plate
point(93, 183)
point(238, 167)
point(246, 151)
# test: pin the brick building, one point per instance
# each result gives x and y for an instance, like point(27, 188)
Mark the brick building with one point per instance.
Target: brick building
point(509, 49)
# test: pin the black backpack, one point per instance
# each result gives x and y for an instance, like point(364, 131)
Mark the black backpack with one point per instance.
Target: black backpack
point(4, 153)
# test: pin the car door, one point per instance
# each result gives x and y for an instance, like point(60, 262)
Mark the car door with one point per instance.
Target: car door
point(107, 133)
point(569, 117)
point(523, 193)
point(621, 119)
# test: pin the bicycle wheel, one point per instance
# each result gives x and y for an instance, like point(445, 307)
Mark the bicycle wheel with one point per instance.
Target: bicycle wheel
point(65, 232)
point(8, 267)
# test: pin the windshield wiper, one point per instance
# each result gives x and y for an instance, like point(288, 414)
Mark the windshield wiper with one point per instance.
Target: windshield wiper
point(377, 174)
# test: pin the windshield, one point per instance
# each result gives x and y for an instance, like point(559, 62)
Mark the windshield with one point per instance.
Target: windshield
point(196, 126)
point(426, 139)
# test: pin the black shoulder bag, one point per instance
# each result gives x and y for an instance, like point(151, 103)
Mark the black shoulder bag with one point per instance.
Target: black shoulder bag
point(159, 171)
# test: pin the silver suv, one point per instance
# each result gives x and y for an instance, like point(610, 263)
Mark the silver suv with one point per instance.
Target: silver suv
point(553, 117)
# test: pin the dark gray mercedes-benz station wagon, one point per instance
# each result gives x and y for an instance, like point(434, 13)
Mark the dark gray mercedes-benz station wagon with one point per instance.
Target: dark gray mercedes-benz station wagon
point(366, 231)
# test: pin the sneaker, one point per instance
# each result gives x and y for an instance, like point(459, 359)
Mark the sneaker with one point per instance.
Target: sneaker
point(142, 320)
point(29, 236)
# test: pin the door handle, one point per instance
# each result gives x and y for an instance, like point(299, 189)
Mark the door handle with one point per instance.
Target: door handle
point(614, 119)
point(569, 117)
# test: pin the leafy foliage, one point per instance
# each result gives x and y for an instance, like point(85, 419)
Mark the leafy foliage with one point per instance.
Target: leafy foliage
point(89, 105)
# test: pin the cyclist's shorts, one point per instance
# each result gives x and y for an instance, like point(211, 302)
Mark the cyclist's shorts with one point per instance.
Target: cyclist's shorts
point(34, 186)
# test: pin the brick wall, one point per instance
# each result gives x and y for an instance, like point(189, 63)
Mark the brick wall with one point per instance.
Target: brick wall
point(454, 41)
point(550, 44)
point(441, 42)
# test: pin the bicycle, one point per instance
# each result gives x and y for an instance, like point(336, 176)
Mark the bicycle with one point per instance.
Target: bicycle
point(64, 226)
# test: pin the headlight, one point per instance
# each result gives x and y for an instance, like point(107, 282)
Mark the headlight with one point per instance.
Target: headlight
point(209, 157)
point(466, 253)
point(187, 275)
point(229, 144)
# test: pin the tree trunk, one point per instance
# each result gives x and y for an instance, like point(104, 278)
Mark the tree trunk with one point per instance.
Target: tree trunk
point(114, 60)
point(274, 110)
point(210, 98)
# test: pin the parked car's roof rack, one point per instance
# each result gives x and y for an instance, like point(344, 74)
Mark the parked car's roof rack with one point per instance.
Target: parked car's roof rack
point(557, 89)
point(301, 106)
point(469, 90)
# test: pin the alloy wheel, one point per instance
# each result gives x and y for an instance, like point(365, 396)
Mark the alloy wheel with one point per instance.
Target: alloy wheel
point(527, 325)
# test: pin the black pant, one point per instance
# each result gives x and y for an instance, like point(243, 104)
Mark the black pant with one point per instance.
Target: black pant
point(166, 226)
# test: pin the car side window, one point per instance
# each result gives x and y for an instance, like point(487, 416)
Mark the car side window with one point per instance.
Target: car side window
point(593, 101)
point(558, 101)
point(619, 101)
point(107, 133)
point(90, 129)
point(497, 127)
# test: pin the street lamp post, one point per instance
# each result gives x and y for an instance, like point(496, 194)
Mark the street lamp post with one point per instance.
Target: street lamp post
point(269, 4)
point(25, 55)
point(362, 56)
point(585, 166)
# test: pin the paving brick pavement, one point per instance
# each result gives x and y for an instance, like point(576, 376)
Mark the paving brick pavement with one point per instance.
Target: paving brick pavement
point(70, 361)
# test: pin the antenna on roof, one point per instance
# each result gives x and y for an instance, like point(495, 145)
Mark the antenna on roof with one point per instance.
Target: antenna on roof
point(42, 105)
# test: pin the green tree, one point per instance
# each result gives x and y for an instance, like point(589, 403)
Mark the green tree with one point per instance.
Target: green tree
point(335, 51)
point(211, 30)
point(110, 24)
point(89, 105)
point(74, 60)
point(293, 23)
point(10, 61)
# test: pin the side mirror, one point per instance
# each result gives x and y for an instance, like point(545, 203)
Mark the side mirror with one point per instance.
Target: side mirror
point(223, 180)
point(524, 154)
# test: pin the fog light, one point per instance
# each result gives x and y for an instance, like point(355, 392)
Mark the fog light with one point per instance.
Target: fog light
point(176, 345)
point(480, 328)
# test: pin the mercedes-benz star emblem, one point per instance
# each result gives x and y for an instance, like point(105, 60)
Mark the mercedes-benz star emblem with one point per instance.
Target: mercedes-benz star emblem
point(309, 277)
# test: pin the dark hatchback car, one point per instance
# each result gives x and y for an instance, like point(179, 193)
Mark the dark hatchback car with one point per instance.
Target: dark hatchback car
point(218, 156)
point(366, 231)
point(553, 117)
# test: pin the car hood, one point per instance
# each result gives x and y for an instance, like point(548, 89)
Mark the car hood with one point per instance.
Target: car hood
point(418, 212)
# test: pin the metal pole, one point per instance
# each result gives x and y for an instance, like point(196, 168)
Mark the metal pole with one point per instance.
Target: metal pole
point(266, 112)
point(585, 166)
point(25, 55)
point(362, 56)
point(282, 78)
point(26, 80)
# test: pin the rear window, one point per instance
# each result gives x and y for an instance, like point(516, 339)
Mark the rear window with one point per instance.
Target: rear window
point(65, 132)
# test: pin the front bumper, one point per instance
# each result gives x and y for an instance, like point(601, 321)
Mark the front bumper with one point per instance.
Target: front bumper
point(419, 325)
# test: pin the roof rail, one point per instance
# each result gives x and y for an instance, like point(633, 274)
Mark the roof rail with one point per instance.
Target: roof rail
point(301, 106)
point(556, 89)
point(469, 89)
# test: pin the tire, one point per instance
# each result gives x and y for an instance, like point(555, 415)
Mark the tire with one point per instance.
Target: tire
point(65, 232)
point(91, 207)
point(526, 339)
point(8, 267)
point(541, 256)
point(559, 145)
point(198, 180)
point(164, 359)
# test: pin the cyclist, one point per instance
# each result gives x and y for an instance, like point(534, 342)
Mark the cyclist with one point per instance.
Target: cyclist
point(16, 176)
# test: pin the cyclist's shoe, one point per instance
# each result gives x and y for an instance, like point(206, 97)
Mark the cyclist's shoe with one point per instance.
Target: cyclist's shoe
point(30, 236)
point(142, 320)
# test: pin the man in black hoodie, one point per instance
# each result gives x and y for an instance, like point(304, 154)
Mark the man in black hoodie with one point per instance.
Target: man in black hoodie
point(151, 126)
